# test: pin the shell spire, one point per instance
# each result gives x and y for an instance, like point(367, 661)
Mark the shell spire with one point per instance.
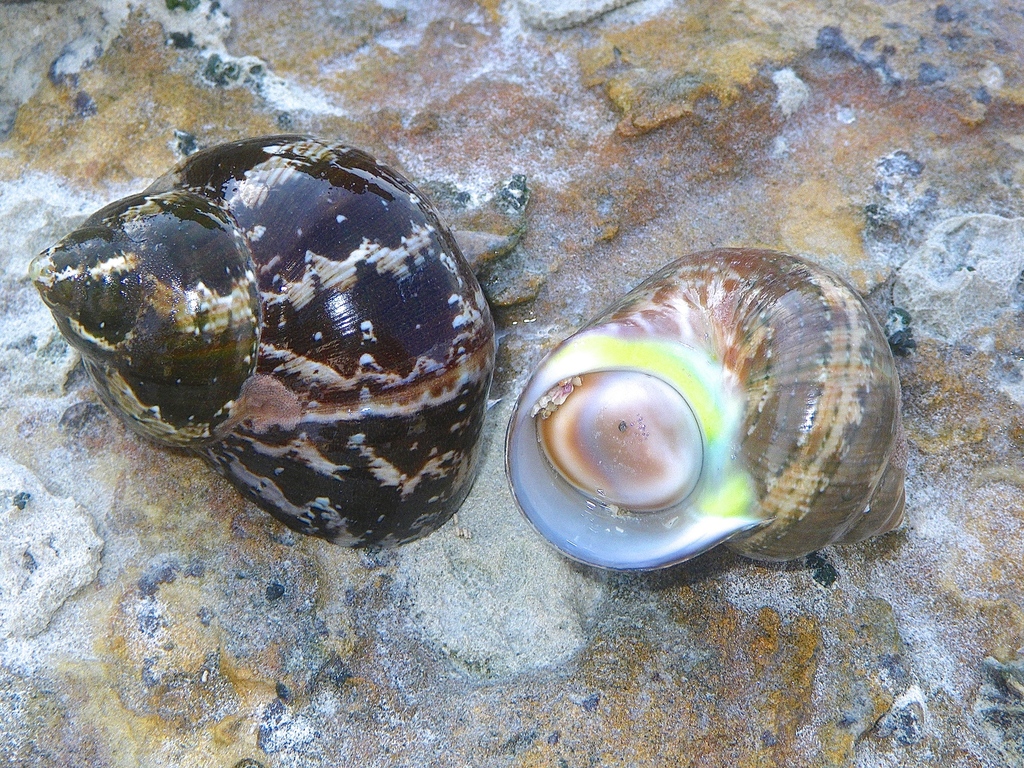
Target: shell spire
point(158, 293)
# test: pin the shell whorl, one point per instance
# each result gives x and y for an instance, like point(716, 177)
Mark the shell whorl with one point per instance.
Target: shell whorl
point(821, 434)
point(794, 377)
point(359, 415)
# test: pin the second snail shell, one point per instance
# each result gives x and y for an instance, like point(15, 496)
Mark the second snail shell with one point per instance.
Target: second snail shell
point(297, 314)
point(738, 395)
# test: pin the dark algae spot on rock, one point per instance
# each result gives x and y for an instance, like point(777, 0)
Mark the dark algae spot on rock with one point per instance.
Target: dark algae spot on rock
point(275, 590)
point(822, 571)
point(830, 39)
point(929, 74)
point(1000, 706)
point(163, 571)
point(515, 195)
point(905, 724)
point(899, 333)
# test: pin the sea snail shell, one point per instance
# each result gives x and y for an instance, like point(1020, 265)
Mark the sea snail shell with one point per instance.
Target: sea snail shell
point(298, 315)
point(737, 395)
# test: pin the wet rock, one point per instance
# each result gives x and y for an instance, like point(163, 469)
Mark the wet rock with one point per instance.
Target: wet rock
point(37, 730)
point(564, 14)
point(42, 44)
point(76, 55)
point(903, 202)
point(905, 721)
point(964, 276)
point(644, 133)
point(494, 617)
point(280, 731)
point(484, 248)
point(1000, 706)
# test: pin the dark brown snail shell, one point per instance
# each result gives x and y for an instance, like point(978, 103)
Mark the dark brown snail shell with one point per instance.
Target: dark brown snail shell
point(297, 314)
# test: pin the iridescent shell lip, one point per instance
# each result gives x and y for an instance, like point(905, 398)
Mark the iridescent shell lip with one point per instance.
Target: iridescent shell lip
point(602, 535)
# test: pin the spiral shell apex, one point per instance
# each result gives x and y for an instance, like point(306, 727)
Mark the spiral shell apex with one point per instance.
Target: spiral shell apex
point(738, 395)
point(297, 314)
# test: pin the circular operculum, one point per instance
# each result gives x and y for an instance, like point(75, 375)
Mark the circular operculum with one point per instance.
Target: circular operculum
point(159, 294)
point(624, 438)
point(620, 452)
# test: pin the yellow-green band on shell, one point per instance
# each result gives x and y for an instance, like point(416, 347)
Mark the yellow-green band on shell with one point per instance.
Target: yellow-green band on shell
point(587, 529)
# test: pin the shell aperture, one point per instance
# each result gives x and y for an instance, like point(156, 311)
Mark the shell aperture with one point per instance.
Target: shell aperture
point(794, 399)
point(697, 513)
point(298, 315)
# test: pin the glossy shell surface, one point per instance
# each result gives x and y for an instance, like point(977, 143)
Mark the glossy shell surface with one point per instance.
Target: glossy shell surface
point(783, 402)
point(297, 314)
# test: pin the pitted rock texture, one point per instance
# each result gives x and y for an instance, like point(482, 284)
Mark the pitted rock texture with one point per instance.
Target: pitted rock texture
point(968, 272)
point(49, 550)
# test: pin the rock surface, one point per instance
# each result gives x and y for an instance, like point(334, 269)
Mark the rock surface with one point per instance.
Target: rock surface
point(965, 276)
point(49, 550)
point(577, 146)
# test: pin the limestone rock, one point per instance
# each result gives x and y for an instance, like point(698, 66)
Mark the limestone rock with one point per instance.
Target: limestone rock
point(49, 550)
point(967, 273)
